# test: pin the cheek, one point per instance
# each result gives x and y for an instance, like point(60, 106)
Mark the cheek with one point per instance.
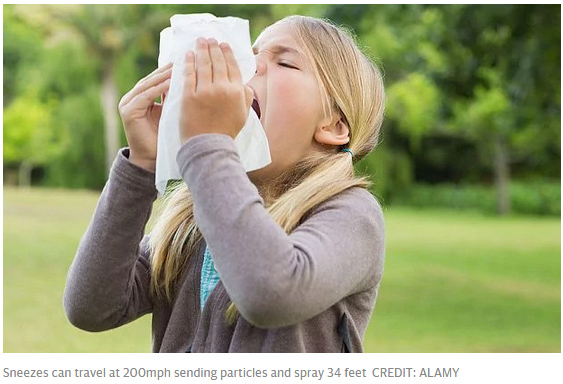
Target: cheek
point(292, 116)
point(294, 103)
point(296, 100)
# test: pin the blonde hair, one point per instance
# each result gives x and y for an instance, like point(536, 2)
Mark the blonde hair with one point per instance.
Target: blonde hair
point(352, 87)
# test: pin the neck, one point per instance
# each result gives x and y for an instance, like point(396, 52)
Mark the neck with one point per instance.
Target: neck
point(270, 189)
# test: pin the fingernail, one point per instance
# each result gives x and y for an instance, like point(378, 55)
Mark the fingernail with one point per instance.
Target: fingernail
point(201, 40)
point(212, 41)
point(224, 46)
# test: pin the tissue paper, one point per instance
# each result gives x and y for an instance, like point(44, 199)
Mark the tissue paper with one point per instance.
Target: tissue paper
point(175, 41)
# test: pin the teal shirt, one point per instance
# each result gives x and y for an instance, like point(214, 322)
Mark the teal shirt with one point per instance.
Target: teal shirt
point(209, 277)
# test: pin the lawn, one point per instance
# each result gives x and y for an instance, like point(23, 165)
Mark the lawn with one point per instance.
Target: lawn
point(453, 282)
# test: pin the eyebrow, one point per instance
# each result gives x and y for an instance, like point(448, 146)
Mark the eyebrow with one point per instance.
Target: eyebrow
point(278, 50)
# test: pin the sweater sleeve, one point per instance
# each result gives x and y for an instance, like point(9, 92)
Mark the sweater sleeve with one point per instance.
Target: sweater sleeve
point(108, 281)
point(273, 278)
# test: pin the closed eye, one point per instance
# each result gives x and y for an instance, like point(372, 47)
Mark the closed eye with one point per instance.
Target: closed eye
point(286, 65)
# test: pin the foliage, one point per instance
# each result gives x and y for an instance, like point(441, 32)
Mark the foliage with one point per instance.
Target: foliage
point(506, 69)
point(537, 198)
point(29, 131)
point(534, 197)
point(414, 103)
point(82, 165)
point(22, 45)
point(460, 79)
point(388, 170)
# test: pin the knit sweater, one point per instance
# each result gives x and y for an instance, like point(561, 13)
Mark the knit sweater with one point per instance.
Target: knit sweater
point(313, 290)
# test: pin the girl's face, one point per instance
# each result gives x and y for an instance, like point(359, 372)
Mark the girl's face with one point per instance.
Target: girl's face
point(289, 100)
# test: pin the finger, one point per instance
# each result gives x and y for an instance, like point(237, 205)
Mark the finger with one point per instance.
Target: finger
point(156, 113)
point(232, 65)
point(148, 80)
point(249, 97)
point(155, 78)
point(146, 98)
point(156, 71)
point(164, 82)
point(190, 79)
point(218, 63)
point(203, 63)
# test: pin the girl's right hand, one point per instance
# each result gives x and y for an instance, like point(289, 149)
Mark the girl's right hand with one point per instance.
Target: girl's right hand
point(140, 115)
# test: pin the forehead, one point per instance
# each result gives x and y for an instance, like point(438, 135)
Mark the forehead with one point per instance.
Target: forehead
point(277, 36)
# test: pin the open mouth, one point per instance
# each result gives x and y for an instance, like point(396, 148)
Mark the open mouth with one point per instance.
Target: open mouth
point(256, 107)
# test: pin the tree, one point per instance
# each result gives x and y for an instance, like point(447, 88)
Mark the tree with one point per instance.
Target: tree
point(510, 69)
point(30, 137)
point(22, 46)
point(494, 71)
point(458, 79)
point(107, 32)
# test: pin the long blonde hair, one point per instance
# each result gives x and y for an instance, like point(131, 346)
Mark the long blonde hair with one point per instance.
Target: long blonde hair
point(353, 88)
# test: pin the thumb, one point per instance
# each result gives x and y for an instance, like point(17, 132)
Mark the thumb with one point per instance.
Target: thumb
point(156, 113)
point(249, 96)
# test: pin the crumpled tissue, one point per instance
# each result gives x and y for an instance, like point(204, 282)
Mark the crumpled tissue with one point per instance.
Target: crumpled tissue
point(175, 42)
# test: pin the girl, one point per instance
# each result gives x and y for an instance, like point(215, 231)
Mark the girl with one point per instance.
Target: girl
point(287, 258)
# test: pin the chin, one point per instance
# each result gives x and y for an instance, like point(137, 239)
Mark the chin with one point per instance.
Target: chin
point(262, 175)
point(257, 175)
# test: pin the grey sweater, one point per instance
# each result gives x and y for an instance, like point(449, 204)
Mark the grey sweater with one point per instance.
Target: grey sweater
point(311, 291)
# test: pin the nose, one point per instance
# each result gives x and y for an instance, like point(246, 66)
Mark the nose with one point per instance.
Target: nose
point(260, 66)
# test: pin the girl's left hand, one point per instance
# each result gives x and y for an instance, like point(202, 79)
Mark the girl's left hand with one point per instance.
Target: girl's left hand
point(214, 99)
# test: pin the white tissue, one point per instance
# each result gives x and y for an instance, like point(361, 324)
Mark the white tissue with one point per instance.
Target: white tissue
point(175, 41)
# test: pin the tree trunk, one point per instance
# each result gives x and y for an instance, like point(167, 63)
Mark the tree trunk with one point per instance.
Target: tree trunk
point(111, 119)
point(24, 174)
point(502, 175)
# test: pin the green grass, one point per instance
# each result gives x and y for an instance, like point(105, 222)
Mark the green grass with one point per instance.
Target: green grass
point(465, 282)
point(453, 281)
point(42, 229)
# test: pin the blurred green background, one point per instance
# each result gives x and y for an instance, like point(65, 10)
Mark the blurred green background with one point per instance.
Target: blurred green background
point(468, 169)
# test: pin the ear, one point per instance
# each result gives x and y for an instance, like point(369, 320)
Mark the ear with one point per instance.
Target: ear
point(336, 133)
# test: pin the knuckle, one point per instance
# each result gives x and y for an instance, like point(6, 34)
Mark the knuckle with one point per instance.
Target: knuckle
point(123, 101)
point(222, 91)
point(189, 79)
point(187, 94)
point(205, 92)
point(122, 111)
point(204, 61)
point(146, 96)
point(125, 116)
point(139, 84)
point(233, 92)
